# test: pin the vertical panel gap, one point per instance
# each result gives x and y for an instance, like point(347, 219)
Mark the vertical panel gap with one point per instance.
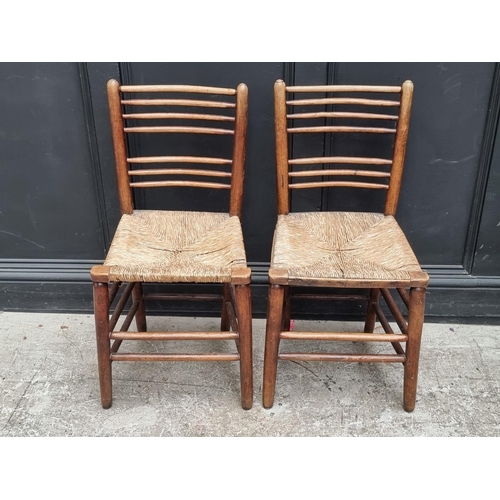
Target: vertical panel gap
point(484, 165)
point(94, 152)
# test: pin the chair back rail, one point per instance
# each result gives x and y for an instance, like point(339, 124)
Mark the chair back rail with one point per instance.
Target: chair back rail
point(130, 178)
point(397, 127)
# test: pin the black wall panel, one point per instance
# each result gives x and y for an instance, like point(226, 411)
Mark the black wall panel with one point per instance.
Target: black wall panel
point(58, 199)
point(47, 191)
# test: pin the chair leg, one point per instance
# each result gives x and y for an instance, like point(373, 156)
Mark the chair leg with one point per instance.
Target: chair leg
point(224, 321)
point(286, 310)
point(371, 317)
point(101, 313)
point(415, 324)
point(140, 315)
point(273, 327)
point(244, 314)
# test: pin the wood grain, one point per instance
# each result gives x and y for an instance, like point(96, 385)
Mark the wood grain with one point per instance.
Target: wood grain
point(345, 88)
point(197, 89)
point(399, 148)
point(119, 147)
point(177, 102)
point(342, 100)
point(177, 116)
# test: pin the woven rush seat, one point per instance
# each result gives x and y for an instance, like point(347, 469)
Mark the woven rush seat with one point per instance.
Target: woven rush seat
point(345, 245)
point(174, 246)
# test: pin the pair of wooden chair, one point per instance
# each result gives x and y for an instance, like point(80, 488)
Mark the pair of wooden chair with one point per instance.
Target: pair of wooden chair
point(314, 249)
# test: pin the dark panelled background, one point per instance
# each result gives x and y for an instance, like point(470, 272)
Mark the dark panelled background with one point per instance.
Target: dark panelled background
point(59, 207)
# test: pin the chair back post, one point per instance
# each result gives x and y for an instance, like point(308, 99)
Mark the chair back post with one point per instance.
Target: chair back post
point(239, 150)
point(280, 124)
point(399, 148)
point(119, 146)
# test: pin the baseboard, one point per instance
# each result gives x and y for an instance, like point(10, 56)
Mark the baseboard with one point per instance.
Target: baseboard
point(64, 286)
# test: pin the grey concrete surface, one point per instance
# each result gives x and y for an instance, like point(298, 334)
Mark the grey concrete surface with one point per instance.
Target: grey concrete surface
point(49, 386)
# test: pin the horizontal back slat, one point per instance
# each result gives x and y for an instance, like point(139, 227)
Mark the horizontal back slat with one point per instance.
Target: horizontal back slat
point(177, 102)
point(179, 116)
point(210, 185)
point(179, 171)
point(178, 88)
point(323, 129)
point(341, 114)
point(353, 184)
point(316, 173)
point(339, 159)
point(180, 159)
point(178, 130)
point(345, 88)
point(342, 100)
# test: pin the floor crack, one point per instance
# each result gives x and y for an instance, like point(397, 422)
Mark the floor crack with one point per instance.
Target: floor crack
point(19, 402)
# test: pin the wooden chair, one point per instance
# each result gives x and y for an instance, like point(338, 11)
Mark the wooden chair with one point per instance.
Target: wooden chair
point(344, 249)
point(156, 246)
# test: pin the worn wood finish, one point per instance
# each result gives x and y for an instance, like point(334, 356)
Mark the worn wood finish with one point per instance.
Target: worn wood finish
point(174, 357)
point(281, 147)
point(371, 316)
point(116, 345)
point(344, 336)
point(287, 310)
point(244, 314)
point(145, 231)
point(183, 296)
point(399, 148)
point(178, 130)
point(326, 296)
point(119, 146)
point(177, 116)
point(394, 310)
point(273, 327)
point(224, 321)
point(140, 317)
point(382, 318)
point(324, 129)
point(343, 249)
point(179, 171)
point(389, 331)
point(387, 327)
point(360, 185)
point(233, 322)
point(208, 185)
point(341, 100)
point(341, 114)
point(340, 159)
point(344, 88)
point(231, 313)
point(415, 324)
point(404, 296)
point(101, 312)
point(196, 89)
point(180, 159)
point(120, 305)
point(164, 336)
point(130, 316)
point(177, 102)
point(346, 358)
point(324, 173)
point(113, 290)
point(239, 151)
point(281, 279)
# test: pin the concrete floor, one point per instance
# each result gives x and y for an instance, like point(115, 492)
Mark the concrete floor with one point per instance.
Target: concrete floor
point(49, 386)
